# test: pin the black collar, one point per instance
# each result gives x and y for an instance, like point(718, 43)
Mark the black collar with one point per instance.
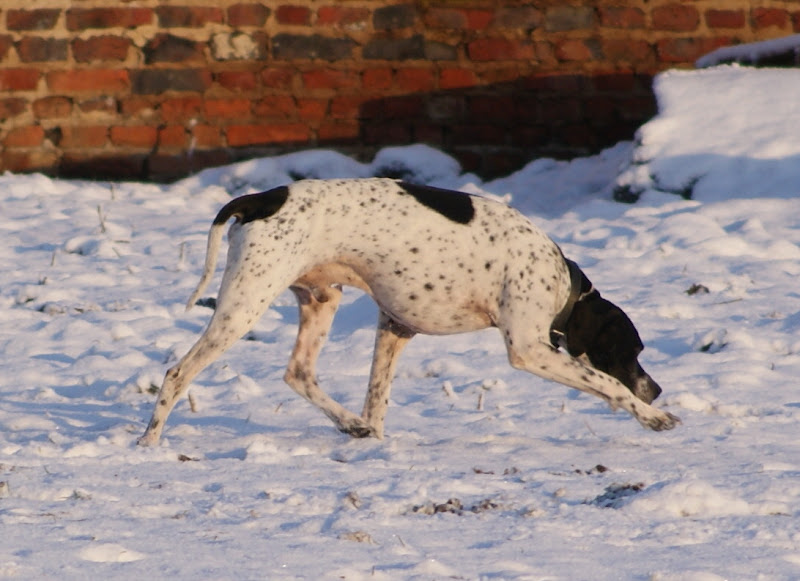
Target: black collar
point(578, 282)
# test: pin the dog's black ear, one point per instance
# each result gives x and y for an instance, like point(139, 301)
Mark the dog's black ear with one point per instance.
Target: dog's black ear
point(601, 330)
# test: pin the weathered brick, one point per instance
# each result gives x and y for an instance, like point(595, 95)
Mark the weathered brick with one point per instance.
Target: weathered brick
point(188, 16)
point(387, 133)
point(622, 17)
point(28, 136)
point(137, 106)
point(457, 78)
point(293, 15)
point(415, 79)
point(494, 107)
point(725, 18)
point(440, 51)
point(274, 133)
point(769, 17)
point(248, 15)
point(579, 50)
point(237, 80)
point(157, 81)
point(331, 79)
point(19, 79)
point(52, 107)
point(406, 107)
point(377, 79)
point(35, 49)
point(39, 19)
point(100, 48)
point(84, 18)
point(6, 42)
point(394, 16)
point(631, 51)
point(348, 107)
point(395, 49)
point(39, 159)
point(796, 21)
point(347, 17)
point(168, 48)
point(104, 105)
point(562, 18)
point(227, 108)
point(181, 108)
point(139, 136)
point(275, 107)
point(524, 17)
point(498, 49)
point(682, 50)
point(230, 46)
point(83, 136)
point(95, 81)
point(675, 17)
point(312, 109)
point(294, 46)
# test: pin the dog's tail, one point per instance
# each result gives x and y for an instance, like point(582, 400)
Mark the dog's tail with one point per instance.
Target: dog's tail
point(245, 209)
point(212, 249)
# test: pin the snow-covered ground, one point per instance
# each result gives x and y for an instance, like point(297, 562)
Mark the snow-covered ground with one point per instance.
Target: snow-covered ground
point(486, 472)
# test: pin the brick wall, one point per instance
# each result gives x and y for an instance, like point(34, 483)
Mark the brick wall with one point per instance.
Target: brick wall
point(155, 90)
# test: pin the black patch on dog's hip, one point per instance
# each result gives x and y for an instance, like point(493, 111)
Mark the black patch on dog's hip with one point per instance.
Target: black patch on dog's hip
point(254, 206)
point(455, 206)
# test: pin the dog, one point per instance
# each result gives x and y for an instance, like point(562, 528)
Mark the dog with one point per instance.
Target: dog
point(436, 262)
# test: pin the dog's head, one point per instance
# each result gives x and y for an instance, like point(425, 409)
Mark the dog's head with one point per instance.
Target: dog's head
point(598, 330)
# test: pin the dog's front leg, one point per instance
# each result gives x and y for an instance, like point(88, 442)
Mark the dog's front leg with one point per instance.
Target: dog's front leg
point(543, 360)
point(390, 340)
point(316, 317)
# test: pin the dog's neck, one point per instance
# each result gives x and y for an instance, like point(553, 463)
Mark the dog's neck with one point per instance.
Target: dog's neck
point(580, 288)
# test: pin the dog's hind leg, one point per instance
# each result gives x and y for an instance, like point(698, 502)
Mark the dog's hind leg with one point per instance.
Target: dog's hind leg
point(317, 309)
point(390, 340)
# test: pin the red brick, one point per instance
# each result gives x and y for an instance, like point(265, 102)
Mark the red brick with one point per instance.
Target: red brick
point(312, 109)
point(227, 108)
point(277, 78)
point(30, 136)
point(237, 80)
point(675, 17)
point(134, 136)
point(459, 18)
point(95, 80)
point(205, 136)
point(725, 18)
point(19, 79)
point(248, 15)
point(521, 17)
point(796, 21)
point(496, 49)
point(769, 17)
point(630, 51)
point(41, 19)
point(100, 48)
point(578, 50)
point(622, 17)
point(415, 79)
point(245, 135)
point(107, 105)
point(293, 15)
point(347, 107)
point(457, 78)
point(339, 131)
point(188, 16)
point(181, 108)
point(83, 18)
point(172, 136)
point(276, 106)
point(330, 79)
point(136, 107)
point(342, 16)
point(52, 107)
point(6, 42)
point(408, 107)
point(33, 160)
point(84, 136)
point(377, 79)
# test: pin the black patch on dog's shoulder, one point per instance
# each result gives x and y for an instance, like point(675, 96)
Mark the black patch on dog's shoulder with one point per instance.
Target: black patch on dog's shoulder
point(254, 206)
point(455, 206)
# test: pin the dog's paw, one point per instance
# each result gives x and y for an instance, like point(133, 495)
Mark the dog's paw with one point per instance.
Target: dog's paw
point(358, 430)
point(664, 421)
point(148, 439)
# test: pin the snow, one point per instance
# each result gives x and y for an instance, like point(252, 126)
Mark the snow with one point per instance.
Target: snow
point(754, 52)
point(486, 472)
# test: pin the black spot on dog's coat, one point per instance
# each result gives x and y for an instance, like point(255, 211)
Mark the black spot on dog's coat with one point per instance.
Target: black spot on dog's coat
point(454, 206)
point(254, 206)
